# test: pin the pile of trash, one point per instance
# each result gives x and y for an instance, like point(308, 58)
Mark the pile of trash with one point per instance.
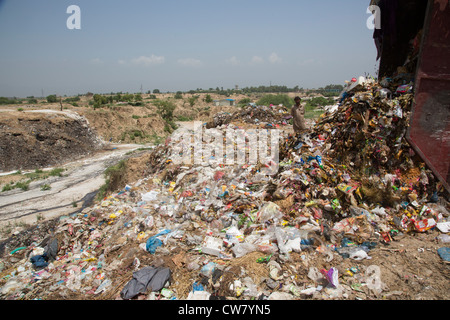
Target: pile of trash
point(269, 117)
point(211, 231)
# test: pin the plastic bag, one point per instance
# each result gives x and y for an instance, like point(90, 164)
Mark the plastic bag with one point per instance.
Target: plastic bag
point(150, 196)
point(208, 269)
point(268, 212)
point(154, 242)
point(241, 249)
point(359, 255)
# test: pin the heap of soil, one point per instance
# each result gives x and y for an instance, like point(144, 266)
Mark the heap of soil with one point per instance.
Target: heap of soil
point(31, 140)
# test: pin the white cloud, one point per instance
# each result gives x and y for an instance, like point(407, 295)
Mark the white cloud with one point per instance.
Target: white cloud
point(190, 62)
point(96, 61)
point(121, 62)
point(233, 61)
point(257, 60)
point(274, 58)
point(149, 61)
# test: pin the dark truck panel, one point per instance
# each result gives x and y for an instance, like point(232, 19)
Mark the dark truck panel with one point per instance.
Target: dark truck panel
point(429, 131)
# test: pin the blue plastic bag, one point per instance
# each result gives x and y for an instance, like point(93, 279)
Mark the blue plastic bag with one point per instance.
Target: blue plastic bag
point(444, 253)
point(154, 242)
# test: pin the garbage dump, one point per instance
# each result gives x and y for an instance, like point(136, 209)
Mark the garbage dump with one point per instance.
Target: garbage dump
point(265, 116)
point(342, 194)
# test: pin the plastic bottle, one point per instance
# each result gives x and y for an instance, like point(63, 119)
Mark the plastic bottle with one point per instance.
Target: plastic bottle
point(104, 285)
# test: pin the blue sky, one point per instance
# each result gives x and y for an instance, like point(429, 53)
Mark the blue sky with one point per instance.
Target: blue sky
point(181, 45)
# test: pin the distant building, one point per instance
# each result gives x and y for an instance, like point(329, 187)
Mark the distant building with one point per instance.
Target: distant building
point(225, 103)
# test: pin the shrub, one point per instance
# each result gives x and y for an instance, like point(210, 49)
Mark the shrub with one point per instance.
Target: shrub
point(4, 100)
point(192, 100)
point(56, 172)
point(277, 99)
point(113, 175)
point(22, 185)
point(178, 95)
point(7, 187)
point(208, 99)
point(52, 98)
point(165, 109)
point(245, 101)
point(45, 187)
point(183, 118)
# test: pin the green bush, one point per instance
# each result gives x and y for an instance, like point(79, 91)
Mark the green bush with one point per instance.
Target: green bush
point(319, 101)
point(183, 118)
point(45, 187)
point(192, 100)
point(245, 101)
point(165, 109)
point(138, 133)
point(208, 99)
point(4, 100)
point(178, 95)
point(113, 177)
point(7, 187)
point(56, 172)
point(22, 185)
point(72, 99)
point(276, 99)
point(52, 98)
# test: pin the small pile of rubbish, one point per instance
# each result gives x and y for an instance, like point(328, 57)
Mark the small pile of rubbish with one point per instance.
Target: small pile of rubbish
point(265, 116)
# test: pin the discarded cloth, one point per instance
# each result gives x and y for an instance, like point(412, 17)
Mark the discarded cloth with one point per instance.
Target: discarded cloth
point(39, 261)
point(146, 279)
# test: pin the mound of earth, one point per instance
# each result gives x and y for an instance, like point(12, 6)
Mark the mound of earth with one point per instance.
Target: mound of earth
point(30, 140)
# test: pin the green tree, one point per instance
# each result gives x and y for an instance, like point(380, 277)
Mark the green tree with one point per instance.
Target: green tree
point(156, 91)
point(52, 98)
point(208, 99)
point(99, 100)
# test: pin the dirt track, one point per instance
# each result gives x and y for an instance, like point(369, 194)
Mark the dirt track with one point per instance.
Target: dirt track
point(77, 186)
